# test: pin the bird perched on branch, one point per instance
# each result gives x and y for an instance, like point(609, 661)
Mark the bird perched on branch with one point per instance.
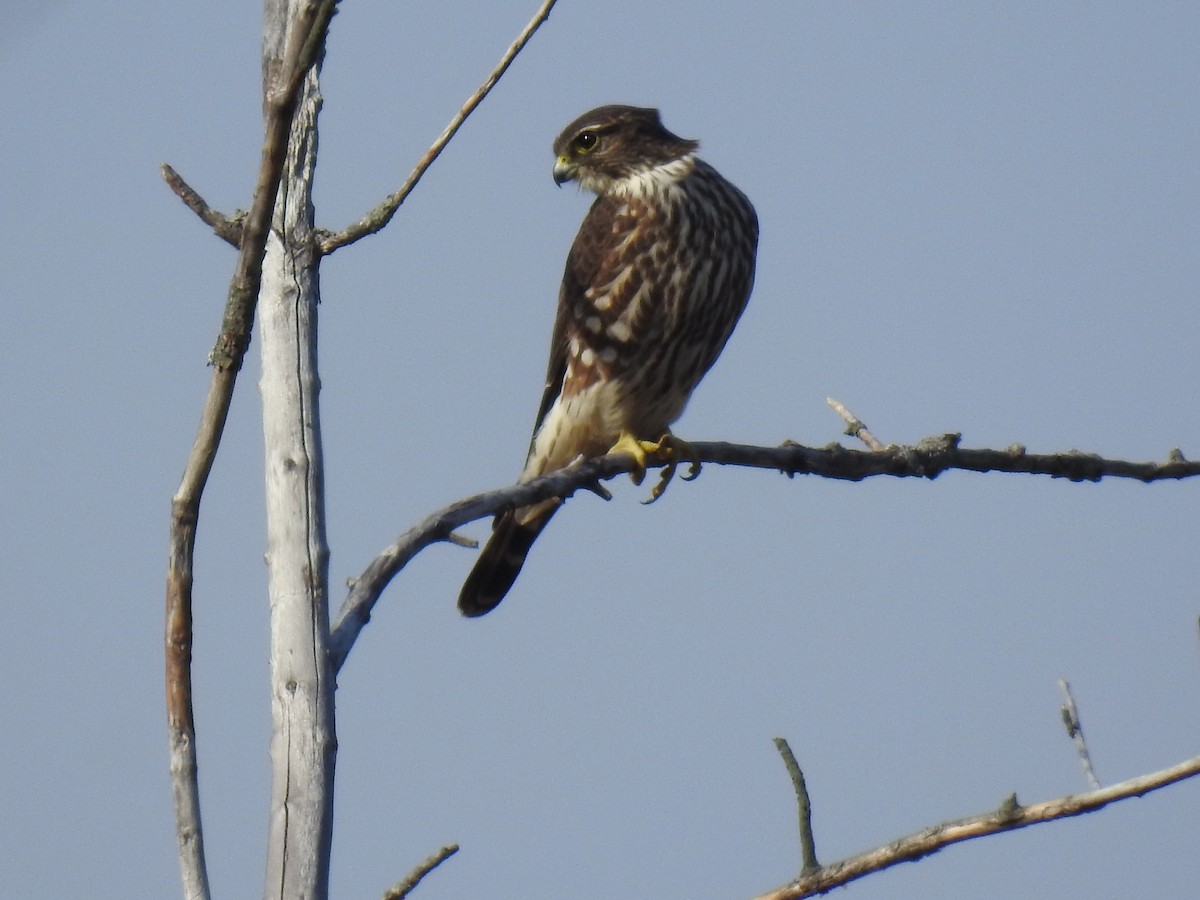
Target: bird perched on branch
point(658, 275)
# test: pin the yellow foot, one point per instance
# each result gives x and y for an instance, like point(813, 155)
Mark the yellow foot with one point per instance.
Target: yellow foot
point(676, 451)
point(667, 446)
point(639, 450)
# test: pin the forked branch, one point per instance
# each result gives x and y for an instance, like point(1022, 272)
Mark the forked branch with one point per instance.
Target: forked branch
point(226, 359)
point(1009, 816)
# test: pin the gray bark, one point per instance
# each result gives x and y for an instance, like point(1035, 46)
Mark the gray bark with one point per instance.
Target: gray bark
point(303, 744)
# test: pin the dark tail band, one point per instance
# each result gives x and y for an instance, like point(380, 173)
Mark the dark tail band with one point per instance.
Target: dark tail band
point(500, 561)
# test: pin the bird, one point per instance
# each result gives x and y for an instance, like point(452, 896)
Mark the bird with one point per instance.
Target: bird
point(655, 281)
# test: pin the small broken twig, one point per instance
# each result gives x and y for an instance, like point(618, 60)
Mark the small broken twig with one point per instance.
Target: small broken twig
point(462, 540)
point(855, 426)
point(403, 888)
point(227, 229)
point(1070, 717)
point(808, 848)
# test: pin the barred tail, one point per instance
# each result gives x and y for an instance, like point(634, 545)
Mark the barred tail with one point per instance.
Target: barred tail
point(501, 559)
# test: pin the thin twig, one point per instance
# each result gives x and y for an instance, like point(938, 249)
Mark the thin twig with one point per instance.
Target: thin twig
point(1070, 717)
point(808, 847)
point(927, 459)
point(854, 425)
point(461, 540)
point(227, 229)
point(1009, 816)
point(403, 888)
point(378, 217)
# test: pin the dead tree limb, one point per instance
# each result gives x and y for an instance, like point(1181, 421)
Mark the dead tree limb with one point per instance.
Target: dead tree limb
point(926, 459)
point(406, 886)
point(303, 746)
point(1009, 816)
point(1070, 717)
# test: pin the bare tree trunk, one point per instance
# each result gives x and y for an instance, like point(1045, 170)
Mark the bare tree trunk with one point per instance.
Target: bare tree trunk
point(303, 738)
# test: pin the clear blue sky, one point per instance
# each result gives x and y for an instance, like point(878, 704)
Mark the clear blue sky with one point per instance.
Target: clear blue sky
point(975, 217)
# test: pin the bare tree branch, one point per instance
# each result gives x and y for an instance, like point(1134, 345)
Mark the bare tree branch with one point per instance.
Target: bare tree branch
point(1070, 717)
point(405, 887)
point(808, 846)
point(378, 218)
point(227, 229)
point(927, 459)
point(1008, 817)
point(854, 426)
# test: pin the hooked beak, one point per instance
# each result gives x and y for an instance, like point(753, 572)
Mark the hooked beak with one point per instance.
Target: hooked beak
point(564, 170)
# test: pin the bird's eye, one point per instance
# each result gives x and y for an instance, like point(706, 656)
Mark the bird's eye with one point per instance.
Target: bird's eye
point(586, 141)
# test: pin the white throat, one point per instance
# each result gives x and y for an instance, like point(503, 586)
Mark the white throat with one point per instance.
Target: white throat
point(659, 180)
point(656, 180)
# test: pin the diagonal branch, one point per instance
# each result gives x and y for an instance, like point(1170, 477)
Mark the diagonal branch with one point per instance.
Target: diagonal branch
point(855, 427)
point(1008, 817)
point(926, 459)
point(228, 229)
point(1070, 718)
point(377, 219)
point(409, 883)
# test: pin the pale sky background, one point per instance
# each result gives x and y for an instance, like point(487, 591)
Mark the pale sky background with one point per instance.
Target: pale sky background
point(975, 217)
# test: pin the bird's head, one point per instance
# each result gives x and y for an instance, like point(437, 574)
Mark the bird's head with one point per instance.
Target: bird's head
point(612, 143)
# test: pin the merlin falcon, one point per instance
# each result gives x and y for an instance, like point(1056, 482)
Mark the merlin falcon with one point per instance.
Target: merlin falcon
point(658, 276)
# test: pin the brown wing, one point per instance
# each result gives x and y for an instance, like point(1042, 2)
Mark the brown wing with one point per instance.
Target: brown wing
point(591, 255)
point(591, 261)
